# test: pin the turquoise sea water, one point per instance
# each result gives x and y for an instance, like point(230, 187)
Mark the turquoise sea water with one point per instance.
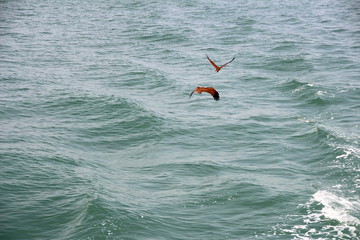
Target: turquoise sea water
point(99, 139)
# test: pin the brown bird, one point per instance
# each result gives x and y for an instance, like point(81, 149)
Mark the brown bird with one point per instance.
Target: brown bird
point(210, 90)
point(217, 68)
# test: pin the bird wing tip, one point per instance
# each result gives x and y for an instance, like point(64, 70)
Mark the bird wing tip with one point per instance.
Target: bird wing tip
point(191, 93)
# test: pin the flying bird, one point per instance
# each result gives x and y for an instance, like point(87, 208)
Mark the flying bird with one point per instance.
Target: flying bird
point(217, 68)
point(210, 90)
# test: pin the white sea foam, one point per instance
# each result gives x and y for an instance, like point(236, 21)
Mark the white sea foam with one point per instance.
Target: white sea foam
point(349, 150)
point(320, 93)
point(326, 216)
point(336, 208)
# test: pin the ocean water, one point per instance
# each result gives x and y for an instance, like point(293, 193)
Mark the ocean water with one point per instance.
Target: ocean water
point(100, 140)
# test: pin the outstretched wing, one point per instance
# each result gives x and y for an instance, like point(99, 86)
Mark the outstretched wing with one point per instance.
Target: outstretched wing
point(227, 63)
point(216, 95)
point(213, 93)
point(212, 63)
point(191, 93)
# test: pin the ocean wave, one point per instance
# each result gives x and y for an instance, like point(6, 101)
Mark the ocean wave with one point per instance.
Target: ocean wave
point(334, 212)
point(312, 94)
point(87, 119)
point(325, 215)
point(316, 135)
point(111, 123)
point(348, 151)
point(162, 37)
point(289, 64)
point(99, 214)
point(189, 169)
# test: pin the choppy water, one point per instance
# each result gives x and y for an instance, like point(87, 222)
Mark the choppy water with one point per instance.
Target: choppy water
point(99, 140)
